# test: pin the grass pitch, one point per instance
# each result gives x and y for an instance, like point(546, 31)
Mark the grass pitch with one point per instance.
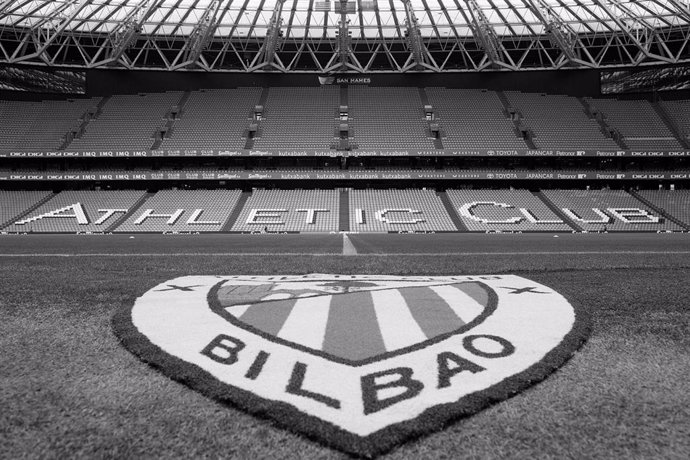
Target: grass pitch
point(68, 389)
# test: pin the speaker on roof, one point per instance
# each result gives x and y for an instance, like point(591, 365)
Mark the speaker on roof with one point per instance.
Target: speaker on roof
point(344, 7)
point(322, 6)
point(367, 5)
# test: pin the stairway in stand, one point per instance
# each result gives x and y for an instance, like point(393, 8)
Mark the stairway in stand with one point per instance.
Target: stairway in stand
point(344, 210)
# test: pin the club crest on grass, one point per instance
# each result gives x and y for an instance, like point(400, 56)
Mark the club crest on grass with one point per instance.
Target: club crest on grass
point(358, 362)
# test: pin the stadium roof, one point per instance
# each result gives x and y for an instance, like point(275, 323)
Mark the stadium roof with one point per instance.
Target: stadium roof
point(351, 36)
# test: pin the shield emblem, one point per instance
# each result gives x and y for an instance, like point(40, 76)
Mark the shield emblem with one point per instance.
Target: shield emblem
point(353, 321)
point(358, 362)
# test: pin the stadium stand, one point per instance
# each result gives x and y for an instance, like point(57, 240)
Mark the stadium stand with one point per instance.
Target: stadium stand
point(127, 122)
point(306, 117)
point(77, 211)
point(398, 210)
point(15, 203)
point(290, 211)
point(504, 210)
point(473, 119)
point(674, 202)
point(215, 118)
point(299, 117)
point(559, 122)
point(40, 125)
point(182, 211)
point(638, 123)
point(388, 118)
point(613, 210)
point(679, 113)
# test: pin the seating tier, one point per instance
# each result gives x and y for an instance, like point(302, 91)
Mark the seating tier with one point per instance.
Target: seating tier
point(39, 125)
point(596, 210)
point(14, 203)
point(78, 211)
point(398, 210)
point(214, 119)
point(679, 113)
point(502, 210)
point(127, 122)
point(298, 117)
point(642, 128)
point(388, 118)
point(559, 122)
point(674, 202)
point(473, 119)
point(279, 211)
point(183, 211)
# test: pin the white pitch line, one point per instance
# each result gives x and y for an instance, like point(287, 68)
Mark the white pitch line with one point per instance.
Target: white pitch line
point(331, 254)
point(348, 248)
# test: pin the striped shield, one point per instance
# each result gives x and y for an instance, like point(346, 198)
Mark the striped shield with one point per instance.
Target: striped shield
point(354, 321)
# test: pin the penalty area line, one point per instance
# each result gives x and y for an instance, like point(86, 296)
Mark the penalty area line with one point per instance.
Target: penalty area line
point(331, 254)
point(348, 248)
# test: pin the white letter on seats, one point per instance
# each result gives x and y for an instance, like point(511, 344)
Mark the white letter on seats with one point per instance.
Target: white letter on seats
point(625, 214)
point(466, 211)
point(359, 213)
point(108, 214)
point(195, 215)
point(77, 213)
point(528, 214)
point(311, 214)
point(381, 216)
point(604, 218)
point(255, 214)
point(172, 218)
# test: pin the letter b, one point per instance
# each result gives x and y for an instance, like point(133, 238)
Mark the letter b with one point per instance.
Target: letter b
point(223, 349)
point(370, 389)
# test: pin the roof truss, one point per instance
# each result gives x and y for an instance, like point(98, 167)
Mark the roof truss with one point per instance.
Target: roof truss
point(300, 35)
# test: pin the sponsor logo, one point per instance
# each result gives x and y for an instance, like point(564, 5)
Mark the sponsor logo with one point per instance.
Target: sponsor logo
point(333, 80)
point(326, 80)
point(539, 176)
point(358, 362)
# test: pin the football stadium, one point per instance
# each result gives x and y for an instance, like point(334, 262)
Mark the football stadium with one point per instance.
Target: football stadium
point(345, 228)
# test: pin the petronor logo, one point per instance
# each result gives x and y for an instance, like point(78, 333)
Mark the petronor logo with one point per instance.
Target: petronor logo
point(358, 362)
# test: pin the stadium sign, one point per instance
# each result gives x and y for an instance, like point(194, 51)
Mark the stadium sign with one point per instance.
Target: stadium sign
point(273, 175)
point(344, 80)
point(359, 362)
point(325, 152)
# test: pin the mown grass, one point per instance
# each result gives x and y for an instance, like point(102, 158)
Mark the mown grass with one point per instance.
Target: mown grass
point(69, 390)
